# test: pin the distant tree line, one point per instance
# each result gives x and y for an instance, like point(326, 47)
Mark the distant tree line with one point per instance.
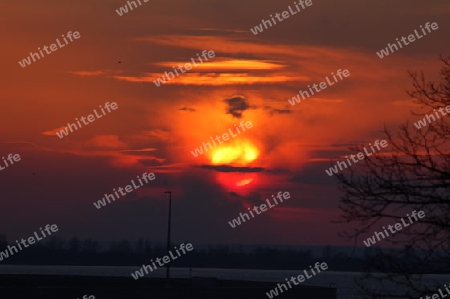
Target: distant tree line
point(89, 252)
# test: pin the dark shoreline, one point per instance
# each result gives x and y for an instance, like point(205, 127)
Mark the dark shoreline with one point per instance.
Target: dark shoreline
point(137, 266)
point(64, 286)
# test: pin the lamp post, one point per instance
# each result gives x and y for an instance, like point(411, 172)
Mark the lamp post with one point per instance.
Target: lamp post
point(168, 236)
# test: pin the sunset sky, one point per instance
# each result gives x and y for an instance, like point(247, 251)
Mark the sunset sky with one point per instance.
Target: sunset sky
point(155, 128)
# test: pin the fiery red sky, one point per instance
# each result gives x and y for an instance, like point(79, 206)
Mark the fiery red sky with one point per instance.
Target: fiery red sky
point(155, 128)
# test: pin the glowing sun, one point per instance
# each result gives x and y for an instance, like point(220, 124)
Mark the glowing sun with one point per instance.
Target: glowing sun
point(240, 152)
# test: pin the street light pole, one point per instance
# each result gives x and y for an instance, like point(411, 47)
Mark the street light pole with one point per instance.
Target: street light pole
point(168, 236)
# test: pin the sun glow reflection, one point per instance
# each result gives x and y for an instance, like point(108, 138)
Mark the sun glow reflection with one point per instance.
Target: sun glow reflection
point(244, 182)
point(238, 182)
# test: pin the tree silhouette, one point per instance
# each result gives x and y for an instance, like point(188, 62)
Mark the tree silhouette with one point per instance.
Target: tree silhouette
point(74, 245)
point(414, 175)
point(90, 246)
point(55, 244)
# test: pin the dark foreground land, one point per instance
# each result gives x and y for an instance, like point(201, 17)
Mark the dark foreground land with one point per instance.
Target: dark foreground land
point(68, 287)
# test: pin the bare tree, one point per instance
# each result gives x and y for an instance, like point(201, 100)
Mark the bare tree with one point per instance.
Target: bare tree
point(413, 174)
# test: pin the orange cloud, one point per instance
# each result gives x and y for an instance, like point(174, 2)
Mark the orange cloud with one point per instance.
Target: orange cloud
point(105, 141)
point(88, 73)
point(214, 79)
point(143, 150)
point(230, 64)
point(225, 44)
point(53, 132)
